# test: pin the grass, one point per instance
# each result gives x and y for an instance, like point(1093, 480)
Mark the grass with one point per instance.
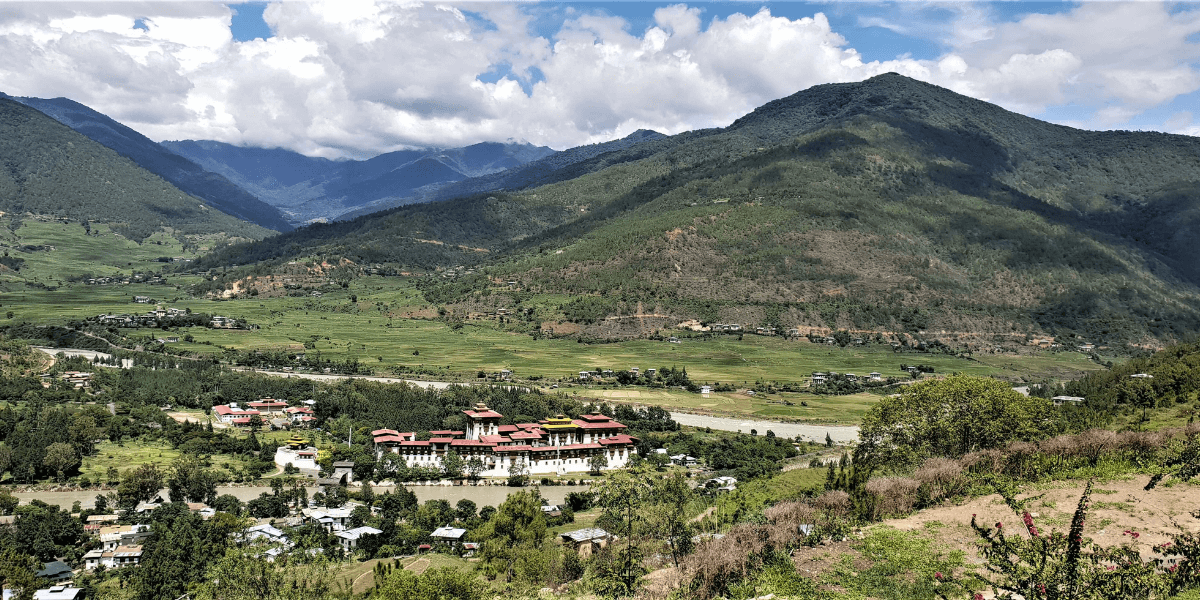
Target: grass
point(131, 454)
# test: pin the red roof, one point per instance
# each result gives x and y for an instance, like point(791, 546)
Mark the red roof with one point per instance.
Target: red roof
point(517, 448)
point(379, 432)
point(486, 414)
point(595, 417)
point(527, 425)
point(472, 443)
point(225, 409)
point(424, 547)
point(570, 447)
point(241, 420)
point(298, 409)
point(446, 433)
point(507, 428)
point(413, 443)
point(600, 425)
point(525, 435)
point(384, 439)
point(308, 418)
point(441, 440)
point(268, 403)
point(495, 439)
point(618, 439)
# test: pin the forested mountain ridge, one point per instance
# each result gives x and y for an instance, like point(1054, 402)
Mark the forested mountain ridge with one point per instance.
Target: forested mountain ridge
point(50, 169)
point(315, 189)
point(887, 204)
point(214, 189)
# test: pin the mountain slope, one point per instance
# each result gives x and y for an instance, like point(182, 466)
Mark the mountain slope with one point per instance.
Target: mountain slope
point(887, 204)
point(214, 189)
point(52, 170)
point(310, 189)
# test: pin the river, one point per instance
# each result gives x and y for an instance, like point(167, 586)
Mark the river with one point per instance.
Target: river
point(840, 434)
point(482, 495)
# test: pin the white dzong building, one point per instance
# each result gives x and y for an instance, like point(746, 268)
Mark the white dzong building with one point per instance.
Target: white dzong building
point(551, 446)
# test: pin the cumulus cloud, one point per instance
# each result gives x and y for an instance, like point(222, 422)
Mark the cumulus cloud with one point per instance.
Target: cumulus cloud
point(360, 77)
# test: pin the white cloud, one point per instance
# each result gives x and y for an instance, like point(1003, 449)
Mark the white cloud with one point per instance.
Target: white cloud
point(361, 77)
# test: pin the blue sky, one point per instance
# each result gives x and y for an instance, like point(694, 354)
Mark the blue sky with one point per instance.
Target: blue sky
point(358, 77)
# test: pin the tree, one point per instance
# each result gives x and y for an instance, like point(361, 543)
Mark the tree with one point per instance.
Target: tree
point(60, 458)
point(622, 497)
point(597, 462)
point(518, 524)
point(452, 465)
point(518, 473)
point(949, 417)
point(1137, 392)
point(189, 481)
point(435, 584)
point(17, 574)
point(464, 510)
point(139, 485)
point(668, 513)
point(241, 574)
point(474, 467)
point(828, 440)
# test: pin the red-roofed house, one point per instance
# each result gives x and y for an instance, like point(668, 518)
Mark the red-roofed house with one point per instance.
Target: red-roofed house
point(230, 413)
point(268, 406)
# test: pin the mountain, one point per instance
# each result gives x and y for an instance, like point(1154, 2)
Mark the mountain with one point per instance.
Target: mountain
point(51, 170)
point(314, 189)
point(215, 190)
point(888, 205)
point(553, 167)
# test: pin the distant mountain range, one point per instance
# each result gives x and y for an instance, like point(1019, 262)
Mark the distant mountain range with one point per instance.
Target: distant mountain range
point(315, 189)
point(888, 205)
point(49, 169)
point(214, 189)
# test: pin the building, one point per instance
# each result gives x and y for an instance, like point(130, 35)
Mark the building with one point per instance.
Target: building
point(343, 470)
point(351, 537)
point(447, 535)
point(265, 532)
point(268, 406)
point(123, 535)
point(586, 541)
point(233, 414)
point(721, 484)
point(1072, 400)
point(683, 460)
point(557, 445)
point(875, 376)
point(299, 454)
point(332, 519)
point(1142, 376)
point(121, 556)
point(819, 378)
point(56, 571)
point(59, 592)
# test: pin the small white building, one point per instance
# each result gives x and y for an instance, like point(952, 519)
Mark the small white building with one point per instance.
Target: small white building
point(875, 376)
point(58, 592)
point(1072, 400)
point(351, 537)
point(447, 535)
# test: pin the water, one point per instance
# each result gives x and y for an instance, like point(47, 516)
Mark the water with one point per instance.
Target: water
point(840, 434)
point(483, 495)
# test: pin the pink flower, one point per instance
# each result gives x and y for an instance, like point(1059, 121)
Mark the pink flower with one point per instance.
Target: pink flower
point(999, 525)
point(978, 596)
point(1042, 589)
point(938, 574)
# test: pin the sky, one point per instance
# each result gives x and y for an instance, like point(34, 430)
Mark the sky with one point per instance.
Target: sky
point(355, 78)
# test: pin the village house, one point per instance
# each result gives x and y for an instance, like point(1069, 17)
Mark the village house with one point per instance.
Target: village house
point(586, 541)
point(123, 535)
point(875, 376)
point(819, 378)
point(235, 415)
point(56, 571)
point(351, 537)
point(1072, 400)
point(557, 445)
point(721, 484)
point(121, 556)
point(265, 532)
point(268, 406)
point(447, 535)
point(59, 592)
point(332, 519)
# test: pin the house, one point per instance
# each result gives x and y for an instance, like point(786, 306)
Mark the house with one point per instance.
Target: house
point(505, 374)
point(343, 470)
point(721, 484)
point(586, 541)
point(650, 373)
point(234, 414)
point(447, 535)
point(120, 556)
point(551, 510)
point(673, 340)
point(1142, 376)
point(793, 332)
point(332, 519)
point(56, 571)
point(684, 460)
point(351, 537)
point(59, 592)
point(706, 389)
point(172, 339)
point(265, 532)
point(142, 299)
point(1072, 400)
point(875, 376)
point(123, 535)
point(1087, 347)
point(819, 378)
point(585, 375)
point(268, 406)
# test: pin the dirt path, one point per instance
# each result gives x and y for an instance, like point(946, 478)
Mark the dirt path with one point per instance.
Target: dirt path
point(418, 566)
point(1117, 506)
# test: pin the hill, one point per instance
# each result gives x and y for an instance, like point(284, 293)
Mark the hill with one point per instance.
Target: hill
point(316, 189)
point(52, 170)
point(214, 189)
point(888, 205)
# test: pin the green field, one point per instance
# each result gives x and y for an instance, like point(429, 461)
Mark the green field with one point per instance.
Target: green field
point(378, 330)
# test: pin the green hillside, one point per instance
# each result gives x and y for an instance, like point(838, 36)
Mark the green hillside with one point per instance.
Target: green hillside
point(887, 204)
point(50, 170)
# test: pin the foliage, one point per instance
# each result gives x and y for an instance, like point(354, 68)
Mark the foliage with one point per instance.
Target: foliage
point(435, 584)
point(517, 528)
point(949, 417)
